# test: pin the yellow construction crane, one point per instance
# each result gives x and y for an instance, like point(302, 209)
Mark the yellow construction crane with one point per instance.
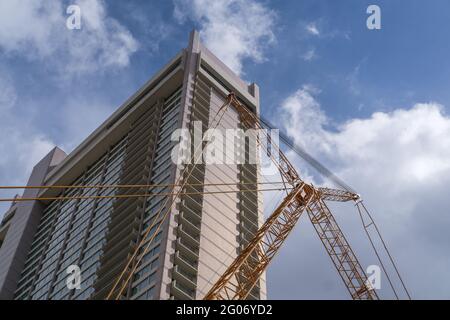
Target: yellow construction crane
point(245, 271)
point(242, 275)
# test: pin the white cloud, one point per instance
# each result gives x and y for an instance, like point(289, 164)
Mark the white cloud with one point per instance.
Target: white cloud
point(151, 25)
point(399, 162)
point(352, 78)
point(37, 30)
point(21, 147)
point(77, 128)
point(309, 55)
point(8, 95)
point(302, 105)
point(413, 145)
point(312, 29)
point(321, 29)
point(234, 30)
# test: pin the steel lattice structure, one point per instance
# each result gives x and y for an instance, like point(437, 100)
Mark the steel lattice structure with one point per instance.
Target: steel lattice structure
point(243, 274)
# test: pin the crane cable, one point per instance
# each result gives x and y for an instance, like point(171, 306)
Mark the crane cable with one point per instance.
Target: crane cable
point(361, 207)
point(366, 227)
point(359, 204)
point(121, 196)
point(130, 186)
point(308, 158)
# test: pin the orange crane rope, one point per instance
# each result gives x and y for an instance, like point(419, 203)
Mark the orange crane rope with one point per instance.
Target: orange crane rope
point(159, 194)
point(130, 186)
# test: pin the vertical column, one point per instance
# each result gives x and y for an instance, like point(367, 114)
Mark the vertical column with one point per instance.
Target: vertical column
point(188, 87)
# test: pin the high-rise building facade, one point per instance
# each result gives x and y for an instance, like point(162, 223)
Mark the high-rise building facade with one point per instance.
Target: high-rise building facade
point(98, 229)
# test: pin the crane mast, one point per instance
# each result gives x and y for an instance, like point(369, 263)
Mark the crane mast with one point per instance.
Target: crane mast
point(245, 271)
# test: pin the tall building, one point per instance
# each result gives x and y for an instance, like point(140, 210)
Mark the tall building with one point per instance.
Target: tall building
point(203, 232)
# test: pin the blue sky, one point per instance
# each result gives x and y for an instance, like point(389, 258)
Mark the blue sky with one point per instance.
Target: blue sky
point(369, 103)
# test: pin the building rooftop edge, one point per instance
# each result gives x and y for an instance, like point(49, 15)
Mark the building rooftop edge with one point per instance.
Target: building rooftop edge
point(250, 91)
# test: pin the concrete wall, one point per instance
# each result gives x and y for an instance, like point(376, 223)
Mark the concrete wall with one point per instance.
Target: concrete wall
point(23, 227)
